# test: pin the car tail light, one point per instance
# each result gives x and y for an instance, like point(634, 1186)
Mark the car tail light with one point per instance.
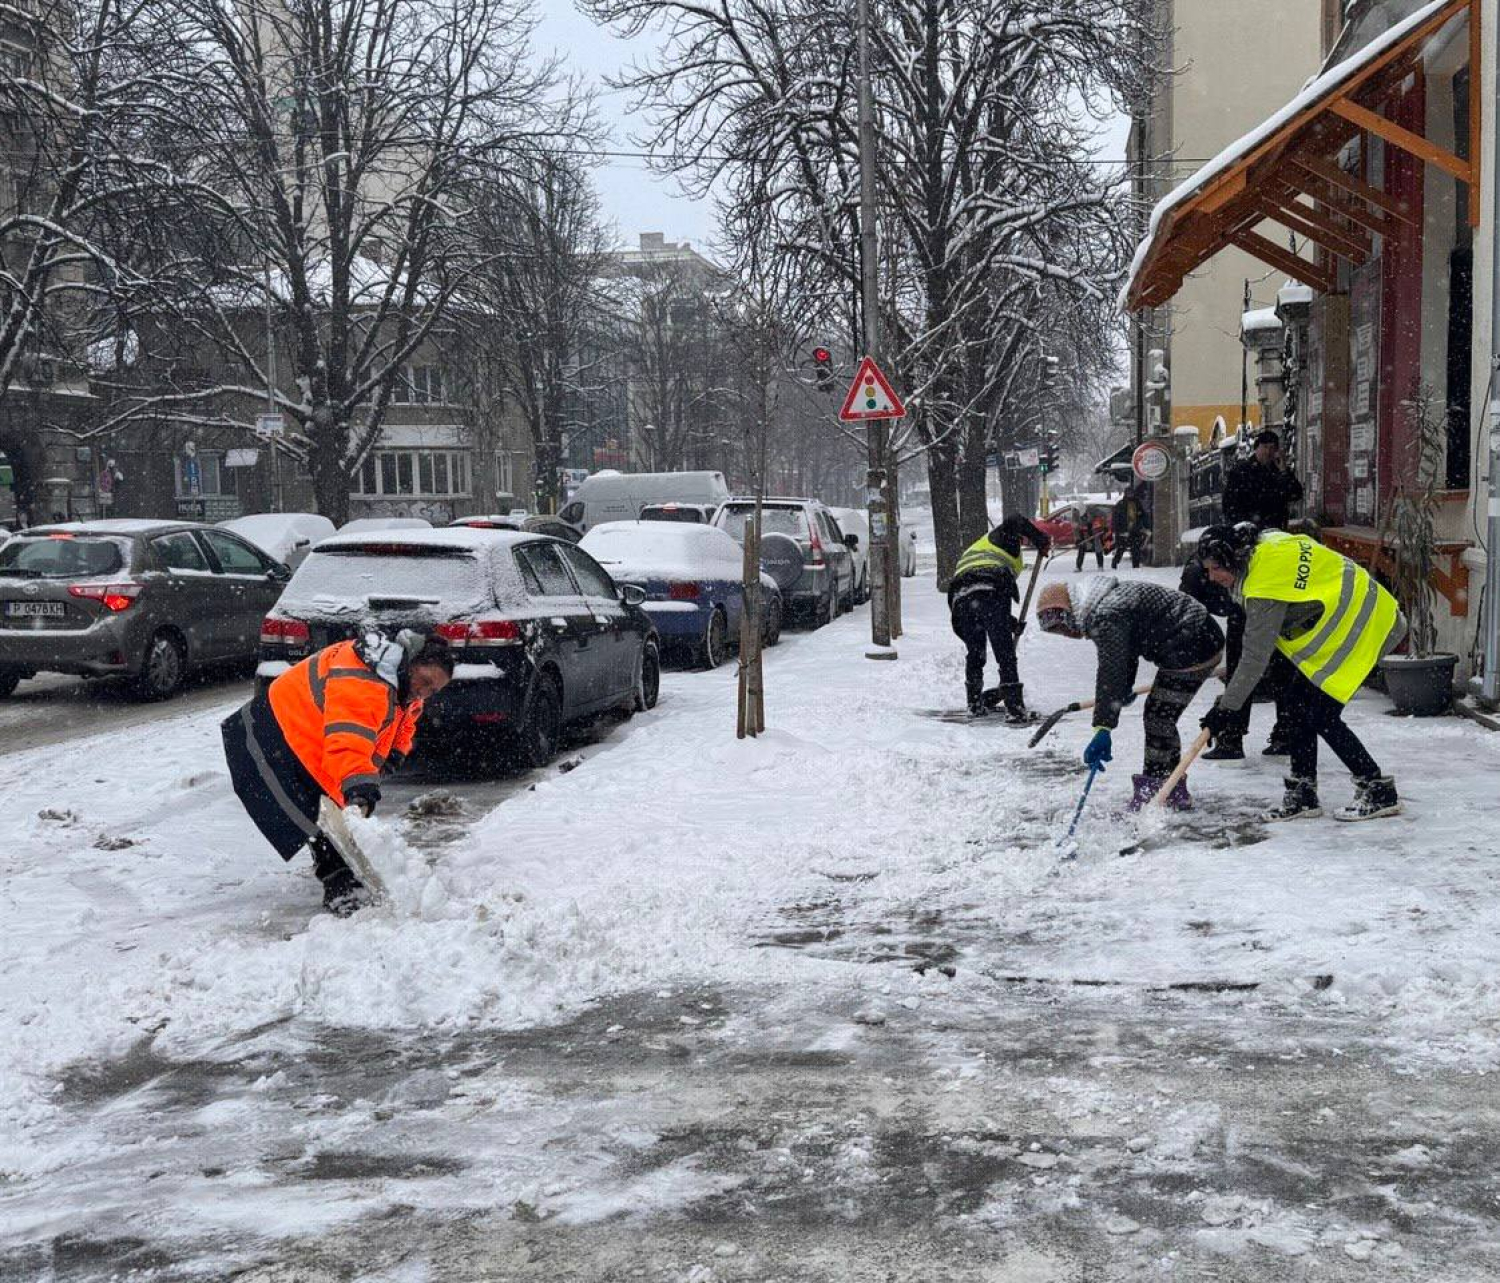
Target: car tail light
point(116, 597)
point(482, 632)
point(276, 631)
point(683, 592)
point(816, 550)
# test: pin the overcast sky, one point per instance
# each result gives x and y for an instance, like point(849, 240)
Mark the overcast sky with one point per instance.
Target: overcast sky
point(634, 199)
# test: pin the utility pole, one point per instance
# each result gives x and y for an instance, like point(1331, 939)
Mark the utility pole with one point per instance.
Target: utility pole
point(878, 482)
point(1488, 687)
point(278, 499)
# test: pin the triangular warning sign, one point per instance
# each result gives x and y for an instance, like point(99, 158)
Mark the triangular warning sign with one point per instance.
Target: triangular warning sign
point(871, 396)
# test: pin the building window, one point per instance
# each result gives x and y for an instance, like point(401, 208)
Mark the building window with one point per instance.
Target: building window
point(212, 477)
point(431, 474)
point(420, 385)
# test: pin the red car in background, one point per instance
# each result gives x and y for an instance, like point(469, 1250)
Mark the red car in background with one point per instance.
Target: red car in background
point(1062, 526)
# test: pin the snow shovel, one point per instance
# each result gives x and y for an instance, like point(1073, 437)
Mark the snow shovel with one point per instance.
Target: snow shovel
point(1036, 572)
point(1188, 758)
point(1077, 706)
point(1067, 848)
point(336, 829)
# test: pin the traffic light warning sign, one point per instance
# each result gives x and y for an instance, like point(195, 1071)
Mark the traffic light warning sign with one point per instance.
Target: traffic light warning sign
point(871, 396)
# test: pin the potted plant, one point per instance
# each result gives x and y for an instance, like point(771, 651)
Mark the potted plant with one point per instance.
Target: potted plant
point(1419, 682)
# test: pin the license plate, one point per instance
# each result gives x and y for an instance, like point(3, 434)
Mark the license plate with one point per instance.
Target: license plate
point(35, 609)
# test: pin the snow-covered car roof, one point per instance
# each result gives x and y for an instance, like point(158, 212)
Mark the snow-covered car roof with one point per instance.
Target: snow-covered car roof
point(472, 538)
point(640, 547)
point(361, 524)
point(279, 533)
point(116, 526)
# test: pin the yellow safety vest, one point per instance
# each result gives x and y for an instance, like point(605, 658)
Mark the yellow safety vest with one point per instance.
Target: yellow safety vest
point(1337, 653)
point(984, 555)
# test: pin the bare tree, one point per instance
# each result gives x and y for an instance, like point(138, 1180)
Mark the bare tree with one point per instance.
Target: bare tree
point(983, 109)
point(545, 316)
point(343, 138)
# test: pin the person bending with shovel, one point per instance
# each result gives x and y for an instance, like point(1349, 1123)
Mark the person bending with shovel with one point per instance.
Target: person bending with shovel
point(328, 727)
point(1128, 621)
point(979, 598)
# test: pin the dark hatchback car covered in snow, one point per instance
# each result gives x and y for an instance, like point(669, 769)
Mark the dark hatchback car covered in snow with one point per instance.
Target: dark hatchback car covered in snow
point(541, 634)
point(147, 600)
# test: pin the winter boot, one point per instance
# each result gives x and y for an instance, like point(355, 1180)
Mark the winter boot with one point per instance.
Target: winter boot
point(1277, 745)
point(1015, 706)
point(1178, 799)
point(343, 893)
point(1146, 788)
point(1230, 748)
point(1373, 798)
point(1300, 801)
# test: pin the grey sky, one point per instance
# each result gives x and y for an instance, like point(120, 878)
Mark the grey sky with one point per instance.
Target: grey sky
point(634, 198)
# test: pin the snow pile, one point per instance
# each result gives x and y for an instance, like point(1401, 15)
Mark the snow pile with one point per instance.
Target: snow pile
point(413, 885)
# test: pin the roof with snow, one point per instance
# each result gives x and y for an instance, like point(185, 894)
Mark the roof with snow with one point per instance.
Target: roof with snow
point(1260, 318)
point(1266, 174)
point(459, 538)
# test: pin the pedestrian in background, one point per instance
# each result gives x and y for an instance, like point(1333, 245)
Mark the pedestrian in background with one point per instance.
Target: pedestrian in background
point(1261, 489)
point(1128, 523)
point(1090, 535)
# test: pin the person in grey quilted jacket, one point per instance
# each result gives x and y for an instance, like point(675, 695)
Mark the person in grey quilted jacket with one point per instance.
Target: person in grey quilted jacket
point(1128, 621)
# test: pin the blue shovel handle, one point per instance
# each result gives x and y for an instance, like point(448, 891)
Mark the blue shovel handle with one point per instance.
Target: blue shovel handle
point(1088, 784)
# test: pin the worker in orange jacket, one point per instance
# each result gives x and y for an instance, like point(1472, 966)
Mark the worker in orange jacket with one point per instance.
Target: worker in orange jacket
point(331, 726)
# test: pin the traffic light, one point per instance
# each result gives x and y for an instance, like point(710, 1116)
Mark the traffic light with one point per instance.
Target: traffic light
point(1047, 456)
point(1049, 373)
point(823, 368)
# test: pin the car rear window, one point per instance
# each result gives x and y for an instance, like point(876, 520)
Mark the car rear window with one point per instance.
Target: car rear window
point(775, 521)
point(672, 514)
point(62, 557)
point(444, 582)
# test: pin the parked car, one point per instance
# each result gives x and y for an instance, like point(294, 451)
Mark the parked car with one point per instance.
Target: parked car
point(694, 581)
point(363, 525)
point(286, 537)
point(1063, 524)
point(552, 527)
point(620, 496)
point(146, 600)
point(851, 521)
point(543, 636)
point(693, 513)
point(487, 521)
point(802, 549)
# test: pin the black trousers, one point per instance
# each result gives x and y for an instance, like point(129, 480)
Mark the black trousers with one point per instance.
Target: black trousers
point(1310, 716)
point(1094, 541)
point(1279, 679)
point(272, 785)
point(984, 618)
point(1131, 543)
point(1171, 692)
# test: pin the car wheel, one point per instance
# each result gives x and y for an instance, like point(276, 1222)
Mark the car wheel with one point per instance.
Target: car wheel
point(824, 611)
point(864, 585)
point(715, 641)
point(8, 682)
point(164, 668)
point(771, 633)
point(648, 688)
point(536, 743)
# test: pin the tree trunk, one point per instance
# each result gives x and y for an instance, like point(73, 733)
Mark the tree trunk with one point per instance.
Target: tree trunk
point(330, 476)
point(941, 477)
point(973, 504)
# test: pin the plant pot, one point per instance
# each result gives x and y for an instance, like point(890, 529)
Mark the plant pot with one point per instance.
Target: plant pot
point(1420, 685)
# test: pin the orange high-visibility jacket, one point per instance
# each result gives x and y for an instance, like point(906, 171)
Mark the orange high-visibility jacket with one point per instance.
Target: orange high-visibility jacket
point(341, 719)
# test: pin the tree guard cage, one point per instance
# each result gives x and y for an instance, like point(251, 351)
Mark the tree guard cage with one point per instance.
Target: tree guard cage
point(1286, 172)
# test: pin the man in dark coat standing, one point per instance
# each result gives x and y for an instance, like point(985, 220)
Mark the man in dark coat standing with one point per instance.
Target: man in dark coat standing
point(1128, 523)
point(1260, 489)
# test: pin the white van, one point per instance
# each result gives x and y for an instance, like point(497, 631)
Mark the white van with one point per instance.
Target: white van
point(620, 496)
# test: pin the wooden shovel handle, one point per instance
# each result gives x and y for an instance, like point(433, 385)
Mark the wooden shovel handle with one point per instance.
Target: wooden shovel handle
point(1036, 570)
point(1188, 758)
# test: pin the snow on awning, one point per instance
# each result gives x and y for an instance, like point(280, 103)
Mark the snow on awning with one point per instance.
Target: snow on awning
point(1267, 173)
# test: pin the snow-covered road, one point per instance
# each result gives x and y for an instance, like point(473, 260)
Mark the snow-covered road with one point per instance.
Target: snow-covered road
point(818, 1006)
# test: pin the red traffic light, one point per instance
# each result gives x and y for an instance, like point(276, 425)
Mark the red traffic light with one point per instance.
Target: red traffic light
point(822, 355)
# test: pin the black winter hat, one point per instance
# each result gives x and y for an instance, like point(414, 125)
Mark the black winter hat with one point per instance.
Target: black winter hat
point(1228, 546)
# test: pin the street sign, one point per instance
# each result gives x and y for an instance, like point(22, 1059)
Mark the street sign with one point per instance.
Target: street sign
point(270, 425)
point(1151, 460)
point(1030, 458)
point(871, 396)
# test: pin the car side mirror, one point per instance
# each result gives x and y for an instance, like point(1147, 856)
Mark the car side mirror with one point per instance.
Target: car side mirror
point(632, 594)
point(851, 542)
point(279, 574)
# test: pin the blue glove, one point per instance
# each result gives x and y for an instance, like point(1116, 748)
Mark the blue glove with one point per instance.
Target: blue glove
point(1098, 752)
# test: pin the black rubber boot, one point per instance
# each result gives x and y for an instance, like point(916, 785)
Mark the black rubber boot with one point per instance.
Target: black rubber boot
point(1230, 748)
point(1012, 695)
point(1300, 802)
point(343, 893)
point(1374, 798)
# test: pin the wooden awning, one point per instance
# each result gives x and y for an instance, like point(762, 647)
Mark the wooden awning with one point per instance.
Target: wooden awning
point(1285, 172)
